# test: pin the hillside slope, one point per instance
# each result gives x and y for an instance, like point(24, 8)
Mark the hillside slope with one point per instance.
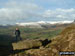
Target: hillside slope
point(64, 42)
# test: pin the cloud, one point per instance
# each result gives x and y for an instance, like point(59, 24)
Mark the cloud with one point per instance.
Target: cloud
point(15, 11)
point(27, 10)
point(64, 14)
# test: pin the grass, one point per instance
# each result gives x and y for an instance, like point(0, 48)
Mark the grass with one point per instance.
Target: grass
point(7, 34)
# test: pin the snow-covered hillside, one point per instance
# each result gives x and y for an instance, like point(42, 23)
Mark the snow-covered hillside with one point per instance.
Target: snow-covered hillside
point(43, 22)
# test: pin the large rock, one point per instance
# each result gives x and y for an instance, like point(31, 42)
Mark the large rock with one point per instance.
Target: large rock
point(26, 44)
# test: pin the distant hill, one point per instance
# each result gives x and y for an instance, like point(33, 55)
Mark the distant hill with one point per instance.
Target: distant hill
point(45, 24)
point(39, 24)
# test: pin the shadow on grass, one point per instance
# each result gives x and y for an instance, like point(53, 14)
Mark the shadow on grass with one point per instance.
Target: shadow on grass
point(6, 47)
point(45, 42)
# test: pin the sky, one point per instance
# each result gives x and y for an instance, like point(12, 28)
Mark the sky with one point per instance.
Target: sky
point(13, 11)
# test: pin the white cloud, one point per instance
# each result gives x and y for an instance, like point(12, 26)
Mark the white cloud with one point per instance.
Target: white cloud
point(60, 14)
point(66, 10)
point(16, 10)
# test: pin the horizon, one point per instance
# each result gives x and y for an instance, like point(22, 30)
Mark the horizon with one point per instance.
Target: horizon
point(13, 11)
point(39, 22)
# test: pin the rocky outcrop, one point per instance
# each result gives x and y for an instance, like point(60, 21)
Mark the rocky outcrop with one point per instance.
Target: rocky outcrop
point(26, 44)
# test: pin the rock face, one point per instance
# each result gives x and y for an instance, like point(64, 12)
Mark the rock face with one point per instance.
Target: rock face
point(26, 44)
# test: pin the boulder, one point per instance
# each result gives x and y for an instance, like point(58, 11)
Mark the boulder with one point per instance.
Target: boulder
point(26, 44)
